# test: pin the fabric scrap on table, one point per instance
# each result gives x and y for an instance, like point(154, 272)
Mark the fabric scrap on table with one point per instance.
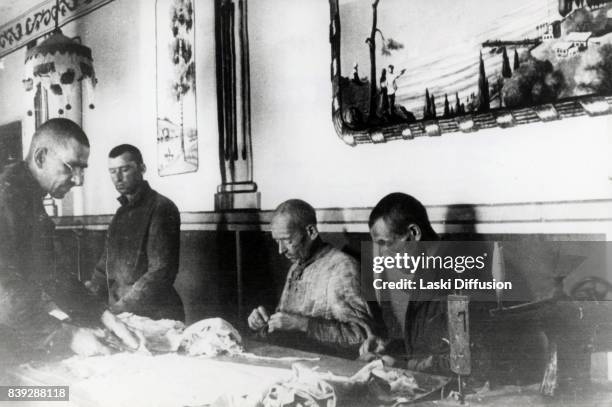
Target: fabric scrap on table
point(306, 388)
point(162, 335)
point(211, 337)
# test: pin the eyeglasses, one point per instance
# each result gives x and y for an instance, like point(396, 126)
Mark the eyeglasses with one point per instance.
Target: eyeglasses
point(75, 171)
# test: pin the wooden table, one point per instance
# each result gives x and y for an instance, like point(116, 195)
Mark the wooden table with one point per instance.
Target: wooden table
point(173, 380)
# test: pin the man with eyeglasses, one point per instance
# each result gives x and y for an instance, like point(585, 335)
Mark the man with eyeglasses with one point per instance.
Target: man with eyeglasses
point(137, 269)
point(42, 308)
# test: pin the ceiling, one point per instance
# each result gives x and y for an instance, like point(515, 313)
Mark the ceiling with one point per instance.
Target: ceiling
point(9, 9)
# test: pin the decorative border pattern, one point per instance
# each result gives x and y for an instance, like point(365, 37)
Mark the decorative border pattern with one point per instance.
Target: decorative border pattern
point(40, 20)
point(504, 118)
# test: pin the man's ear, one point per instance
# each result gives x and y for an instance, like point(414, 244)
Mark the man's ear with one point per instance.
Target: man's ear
point(414, 231)
point(312, 232)
point(40, 155)
point(143, 168)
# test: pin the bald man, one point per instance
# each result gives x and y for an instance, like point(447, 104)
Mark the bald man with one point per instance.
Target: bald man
point(31, 290)
point(321, 307)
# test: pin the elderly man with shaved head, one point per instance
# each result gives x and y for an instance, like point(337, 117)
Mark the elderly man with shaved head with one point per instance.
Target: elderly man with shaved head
point(321, 307)
point(31, 289)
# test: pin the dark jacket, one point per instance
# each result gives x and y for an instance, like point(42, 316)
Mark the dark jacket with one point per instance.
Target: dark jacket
point(141, 257)
point(426, 324)
point(28, 276)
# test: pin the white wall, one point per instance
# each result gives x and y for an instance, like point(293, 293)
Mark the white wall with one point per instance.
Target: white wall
point(12, 107)
point(296, 150)
point(122, 37)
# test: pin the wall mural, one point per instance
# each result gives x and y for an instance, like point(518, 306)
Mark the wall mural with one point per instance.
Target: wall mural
point(452, 65)
point(177, 138)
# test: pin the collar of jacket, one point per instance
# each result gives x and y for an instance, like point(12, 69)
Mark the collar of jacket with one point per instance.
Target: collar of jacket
point(29, 182)
point(318, 249)
point(142, 190)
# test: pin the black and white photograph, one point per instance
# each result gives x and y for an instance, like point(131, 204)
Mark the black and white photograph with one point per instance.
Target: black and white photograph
point(285, 203)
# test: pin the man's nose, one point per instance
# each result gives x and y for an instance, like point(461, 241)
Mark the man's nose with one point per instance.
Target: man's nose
point(281, 248)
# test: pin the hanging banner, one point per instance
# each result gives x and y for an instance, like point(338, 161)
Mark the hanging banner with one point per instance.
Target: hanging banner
point(40, 20)
point(177, 137)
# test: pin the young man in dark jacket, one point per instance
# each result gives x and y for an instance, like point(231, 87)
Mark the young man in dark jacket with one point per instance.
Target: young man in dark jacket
point(141, 257)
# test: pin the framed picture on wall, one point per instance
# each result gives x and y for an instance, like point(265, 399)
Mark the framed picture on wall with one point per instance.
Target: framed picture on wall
point(445, 65)
point(177, 135)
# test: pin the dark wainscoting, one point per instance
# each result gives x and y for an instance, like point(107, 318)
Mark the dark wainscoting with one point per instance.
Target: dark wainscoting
point(227, 273)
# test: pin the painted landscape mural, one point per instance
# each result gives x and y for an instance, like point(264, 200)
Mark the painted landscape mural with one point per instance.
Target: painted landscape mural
point(405, 61)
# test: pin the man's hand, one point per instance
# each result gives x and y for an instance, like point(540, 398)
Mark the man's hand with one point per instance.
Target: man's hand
point(120, 329)
point(282, 321)
point(117, 308)
point(258, 319)
point(86, 342)
point(92, 287)
point(372, 348)
point(373, 344)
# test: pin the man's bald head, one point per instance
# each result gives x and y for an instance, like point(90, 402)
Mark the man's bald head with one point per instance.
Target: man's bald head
point(58, 156)
point(294, 228)
point(302, 214)
point(57, 132)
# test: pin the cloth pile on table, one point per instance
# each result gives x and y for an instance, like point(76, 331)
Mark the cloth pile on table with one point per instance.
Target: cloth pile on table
point(374, 384)
point(393, 385)
point(306, 388)
point(208, 337)
point(211, 337)
point(163, 335)
point(380, 383)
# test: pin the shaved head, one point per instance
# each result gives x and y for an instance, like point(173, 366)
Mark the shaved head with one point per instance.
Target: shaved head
point(302, 214)
point(57, 132)
point(294, 228)
point(58, 156)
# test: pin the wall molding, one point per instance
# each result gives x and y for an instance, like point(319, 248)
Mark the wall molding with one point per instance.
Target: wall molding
point(583, 216)
point(40, 20)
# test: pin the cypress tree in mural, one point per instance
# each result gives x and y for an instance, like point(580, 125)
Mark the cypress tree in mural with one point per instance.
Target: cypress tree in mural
point(483, 88)
point(447, 112)
point(427, 107)
point(506, 71)
point(517, 63)
point(433, 107)
point(182, 56)
point(457, 104)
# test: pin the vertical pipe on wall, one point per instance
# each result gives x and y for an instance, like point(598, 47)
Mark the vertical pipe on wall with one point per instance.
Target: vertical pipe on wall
point(237, 190)
point(247, 148)
point(241, 316)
